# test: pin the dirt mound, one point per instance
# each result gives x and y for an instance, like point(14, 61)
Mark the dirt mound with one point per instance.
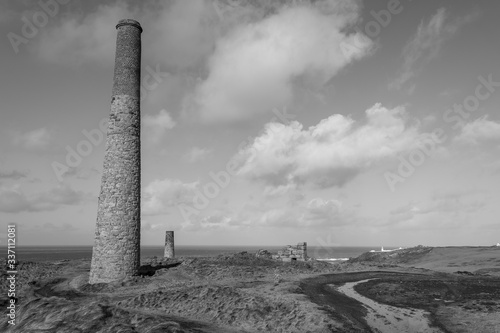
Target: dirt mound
point(233, 307)
point(55, 314)
point(247, 266)
point(31, 272)
point(225, 294)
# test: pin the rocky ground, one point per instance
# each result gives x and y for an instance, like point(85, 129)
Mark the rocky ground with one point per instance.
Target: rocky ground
point(233, 293)
point(242, 293)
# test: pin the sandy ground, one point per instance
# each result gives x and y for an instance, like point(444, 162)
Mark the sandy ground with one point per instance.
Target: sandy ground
point(389, 319)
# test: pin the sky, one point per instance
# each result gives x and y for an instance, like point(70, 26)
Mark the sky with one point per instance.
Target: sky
point(335, 122)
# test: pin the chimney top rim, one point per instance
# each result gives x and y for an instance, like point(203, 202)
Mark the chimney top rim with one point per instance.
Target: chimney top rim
point(129, 22)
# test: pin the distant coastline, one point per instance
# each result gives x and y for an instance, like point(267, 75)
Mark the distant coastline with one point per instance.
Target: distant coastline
point(47, 253)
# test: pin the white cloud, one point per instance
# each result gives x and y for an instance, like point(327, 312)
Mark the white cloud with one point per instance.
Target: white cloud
point(184, 32)
point(325, 212)
point(179, 34)
point(278, 191)
point(14, 200)
point(480, 130)
point(426, 45)
point(196, 154)
point(37, 139)
point(328, 154)
point(154, 227)
point(262, 49)
point(218, 220)
point(255, 67)
point(157, 125)
point(160, 195)
point(317, 212)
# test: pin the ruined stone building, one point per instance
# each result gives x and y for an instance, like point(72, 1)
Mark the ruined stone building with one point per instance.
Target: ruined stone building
point(288, 253)
point(291, 253)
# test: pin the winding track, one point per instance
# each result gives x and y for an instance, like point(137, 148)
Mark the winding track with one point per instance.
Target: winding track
point(351, 311)
point(390, 319)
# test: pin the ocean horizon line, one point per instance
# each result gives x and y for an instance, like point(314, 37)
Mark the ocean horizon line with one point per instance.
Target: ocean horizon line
point(213, 245)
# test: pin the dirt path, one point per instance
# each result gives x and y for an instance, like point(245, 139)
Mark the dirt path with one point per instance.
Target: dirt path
point(389, 319)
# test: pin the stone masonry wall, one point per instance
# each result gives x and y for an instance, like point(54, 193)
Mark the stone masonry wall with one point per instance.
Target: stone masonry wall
point(169, 245)
point(290, 253)
point(116, 253)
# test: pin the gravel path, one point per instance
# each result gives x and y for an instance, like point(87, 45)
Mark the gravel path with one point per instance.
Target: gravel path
point(389, 319)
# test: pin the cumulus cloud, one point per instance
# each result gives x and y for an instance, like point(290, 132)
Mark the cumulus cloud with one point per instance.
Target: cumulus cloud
point(328, 154)
point(215, 221)
point(321, 211)
point(184, 32)
point(37, 139)
point(255, 67)
point(480, 130)
point(14, 200)
point(160, 195)
point(316, 212)
point(196, 154)
point(179, 34)
point(238, 59)
point(158, 124)
point(426, 45)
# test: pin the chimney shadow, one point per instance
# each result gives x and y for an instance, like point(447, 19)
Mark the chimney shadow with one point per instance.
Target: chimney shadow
point(149, 270)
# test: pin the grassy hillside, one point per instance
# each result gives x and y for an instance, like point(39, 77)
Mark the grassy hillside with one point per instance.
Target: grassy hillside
point(482, 260)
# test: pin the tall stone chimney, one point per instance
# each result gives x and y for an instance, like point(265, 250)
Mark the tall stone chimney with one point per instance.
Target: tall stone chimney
point(116, 252)
point(169, 245)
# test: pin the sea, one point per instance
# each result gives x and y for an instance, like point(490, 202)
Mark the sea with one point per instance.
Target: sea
point(49, 253)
